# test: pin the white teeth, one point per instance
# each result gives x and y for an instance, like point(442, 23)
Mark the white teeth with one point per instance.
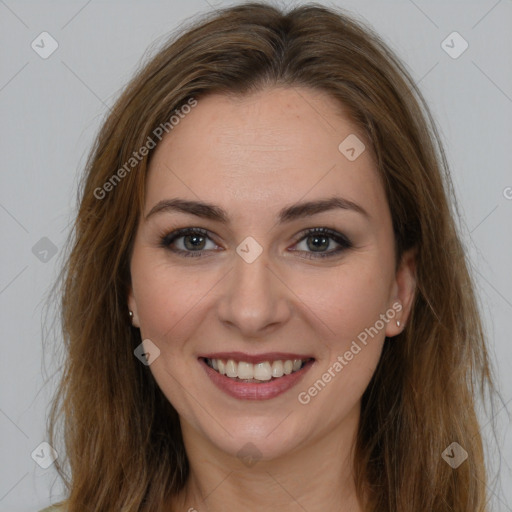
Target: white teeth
point(231, 368)
point(277, 369)
point(263, 371)
point(245, 370)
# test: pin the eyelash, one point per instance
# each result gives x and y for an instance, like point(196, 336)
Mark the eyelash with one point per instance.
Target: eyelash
point(342, 240)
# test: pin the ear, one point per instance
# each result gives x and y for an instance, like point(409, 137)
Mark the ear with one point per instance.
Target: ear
point(403, 291)
point(132, 306)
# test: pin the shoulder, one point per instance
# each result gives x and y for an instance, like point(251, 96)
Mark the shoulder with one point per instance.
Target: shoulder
point(54, 508)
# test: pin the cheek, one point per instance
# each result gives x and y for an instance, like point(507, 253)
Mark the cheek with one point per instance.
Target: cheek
point(351, 307)
point(169, 307)
point(346, 300)
point(160, 303)
point(348, 306)
point(168, 297)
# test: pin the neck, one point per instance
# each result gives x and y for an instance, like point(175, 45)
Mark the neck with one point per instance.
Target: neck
point(314, 477)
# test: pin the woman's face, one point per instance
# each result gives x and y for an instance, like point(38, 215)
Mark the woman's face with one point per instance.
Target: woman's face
point(253, 289)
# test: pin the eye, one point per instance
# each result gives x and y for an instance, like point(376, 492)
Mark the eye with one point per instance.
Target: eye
point(193, 242)
point(317, 240)
point(187, 242)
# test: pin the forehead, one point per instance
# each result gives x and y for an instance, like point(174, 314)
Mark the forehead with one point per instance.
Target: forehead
point(272, 147)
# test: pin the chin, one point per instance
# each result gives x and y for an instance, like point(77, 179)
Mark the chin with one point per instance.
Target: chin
point(264, 438)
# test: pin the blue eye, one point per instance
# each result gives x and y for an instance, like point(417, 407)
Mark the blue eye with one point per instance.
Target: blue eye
point(193, 242)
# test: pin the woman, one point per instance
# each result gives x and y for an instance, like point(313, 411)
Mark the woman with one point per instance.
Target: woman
point(266, 303)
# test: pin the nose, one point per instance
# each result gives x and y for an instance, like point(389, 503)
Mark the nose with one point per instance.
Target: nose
point(254, 298)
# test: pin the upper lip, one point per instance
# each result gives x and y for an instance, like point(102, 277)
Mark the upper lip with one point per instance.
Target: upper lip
point(256, 358)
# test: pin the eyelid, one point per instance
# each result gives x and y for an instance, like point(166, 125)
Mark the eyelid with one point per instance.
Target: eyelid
point(344, 243)
point(342, 240)
point(168, 238)
point(324, 231)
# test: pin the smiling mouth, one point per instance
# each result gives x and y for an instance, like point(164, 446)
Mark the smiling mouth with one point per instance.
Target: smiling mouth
point(265, 371)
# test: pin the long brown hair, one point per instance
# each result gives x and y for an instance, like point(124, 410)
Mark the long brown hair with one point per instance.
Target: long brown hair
point(122, 436)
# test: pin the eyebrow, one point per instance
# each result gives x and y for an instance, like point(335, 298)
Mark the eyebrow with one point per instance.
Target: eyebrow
point(287, 214)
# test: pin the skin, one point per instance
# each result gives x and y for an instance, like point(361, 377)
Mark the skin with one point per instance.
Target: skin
point(253, 156)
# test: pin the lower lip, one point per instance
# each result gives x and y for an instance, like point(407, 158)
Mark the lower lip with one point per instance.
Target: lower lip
point(255, 391)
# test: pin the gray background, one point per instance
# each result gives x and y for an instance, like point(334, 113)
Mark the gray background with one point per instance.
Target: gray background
point(52, 108)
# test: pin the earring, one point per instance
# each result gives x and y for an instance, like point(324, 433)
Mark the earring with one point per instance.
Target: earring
point(397, 322)
point(130, 313)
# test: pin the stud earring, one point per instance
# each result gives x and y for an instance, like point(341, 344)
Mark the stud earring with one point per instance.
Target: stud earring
point(130, 313)
point(398, 323)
